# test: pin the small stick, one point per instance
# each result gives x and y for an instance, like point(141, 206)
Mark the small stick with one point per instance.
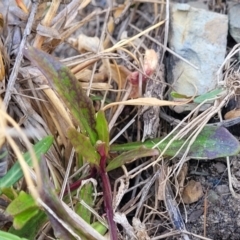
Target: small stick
point(205, 214)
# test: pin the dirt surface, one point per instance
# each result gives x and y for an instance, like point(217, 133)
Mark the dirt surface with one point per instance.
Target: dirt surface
point(223, 210)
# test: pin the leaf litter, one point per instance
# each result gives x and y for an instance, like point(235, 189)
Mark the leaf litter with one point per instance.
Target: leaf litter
point(115, 54)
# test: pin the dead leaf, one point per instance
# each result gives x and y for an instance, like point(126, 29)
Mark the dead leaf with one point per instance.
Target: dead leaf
point(192, 192)
point(21, 4)
point(181, 177)
point(119, 74)
point(48, 31)
point(118, 12)
point(232, 114)
point(85, 76)
point(146, 102)
point(85, 44)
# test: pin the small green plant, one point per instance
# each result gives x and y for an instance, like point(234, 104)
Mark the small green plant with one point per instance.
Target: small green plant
point(92, 141)
point(27, 216)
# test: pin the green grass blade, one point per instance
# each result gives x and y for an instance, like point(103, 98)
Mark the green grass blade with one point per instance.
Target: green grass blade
point(31, 229)
point(15, 173)
point(9, 236)
point(86, 194)
point(102, 128)
point(209, 96)
point(130, 156)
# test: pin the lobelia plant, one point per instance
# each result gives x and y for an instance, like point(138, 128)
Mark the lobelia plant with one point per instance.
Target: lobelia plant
point(92, 141)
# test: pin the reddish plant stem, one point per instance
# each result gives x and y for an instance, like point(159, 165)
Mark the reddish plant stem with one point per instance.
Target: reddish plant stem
point(107, 193)
point(78, 183)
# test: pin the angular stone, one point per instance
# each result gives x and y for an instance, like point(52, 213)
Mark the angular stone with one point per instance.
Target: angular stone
point(200, 37)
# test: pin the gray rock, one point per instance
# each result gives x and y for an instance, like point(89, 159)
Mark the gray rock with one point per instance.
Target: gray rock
point(200, 37)
point(234, 22)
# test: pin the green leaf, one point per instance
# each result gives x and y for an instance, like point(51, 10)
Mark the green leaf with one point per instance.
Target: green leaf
point(9, 236)
point(86, 194)
point(130, 156)
point(23, 208)
point(209, 96)
point(15, 173)
point(22, 203)
point(31, 229)
point(102, 128)
point(211, 143)
point(23, 218)
point(83, 146)
point(68, 87)
point(178, 95)
point(99, 228)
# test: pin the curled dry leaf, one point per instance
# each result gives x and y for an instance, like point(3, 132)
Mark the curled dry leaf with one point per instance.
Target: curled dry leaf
point(149, 66)
point(150, 62)
point(85, 76)
point(85, 44)
point(192, 192)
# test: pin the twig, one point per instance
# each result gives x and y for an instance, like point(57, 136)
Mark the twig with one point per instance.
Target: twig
point(205, 214)
point(234, 194)
point(19, 57)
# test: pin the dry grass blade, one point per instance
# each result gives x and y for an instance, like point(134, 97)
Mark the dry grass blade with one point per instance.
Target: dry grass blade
point(5, 118)
point(145, 102)
point(47, 21)
point(18, 60)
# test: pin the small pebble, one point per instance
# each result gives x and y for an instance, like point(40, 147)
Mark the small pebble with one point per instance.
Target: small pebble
point(222, 189)
point(220, 167)
point(213, 197)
